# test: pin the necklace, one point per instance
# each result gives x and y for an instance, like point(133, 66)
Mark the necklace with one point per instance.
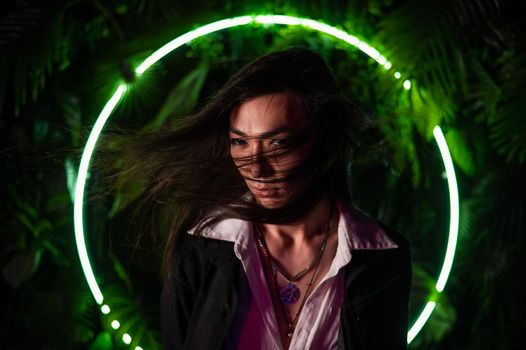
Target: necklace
point(291, 292)
point(291, 325)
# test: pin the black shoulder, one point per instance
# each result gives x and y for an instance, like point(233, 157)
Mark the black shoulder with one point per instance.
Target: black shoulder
point(190, 246)
point(194, 255)
point(397, 237)
point(400, 257)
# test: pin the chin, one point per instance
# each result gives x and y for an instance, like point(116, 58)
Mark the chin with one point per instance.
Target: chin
point(271, 203)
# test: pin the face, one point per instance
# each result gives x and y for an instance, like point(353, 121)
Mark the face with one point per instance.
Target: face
point(268, 140)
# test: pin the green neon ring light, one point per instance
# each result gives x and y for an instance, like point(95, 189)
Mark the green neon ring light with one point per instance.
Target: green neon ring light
point(236, 22)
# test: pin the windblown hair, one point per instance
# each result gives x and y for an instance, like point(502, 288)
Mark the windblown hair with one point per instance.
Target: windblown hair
point(187, 173)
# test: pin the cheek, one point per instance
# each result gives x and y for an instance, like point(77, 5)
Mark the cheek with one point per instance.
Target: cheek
point(291, 160)
point(237, 155)
point(239, 159)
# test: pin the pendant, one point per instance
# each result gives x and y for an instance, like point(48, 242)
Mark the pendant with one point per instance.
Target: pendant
point(290, 294)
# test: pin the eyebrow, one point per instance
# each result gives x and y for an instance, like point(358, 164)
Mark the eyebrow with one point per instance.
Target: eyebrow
point(269, 133)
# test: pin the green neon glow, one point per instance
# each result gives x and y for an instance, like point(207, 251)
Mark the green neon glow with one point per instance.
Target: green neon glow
point(454, 216)
point(327, 29)
point(105, 309)
point(185, 38)
point(126, 338)
point(421, 321)
point(115, 324)
point(79, 191)
point(454, 210)
point(230, 23)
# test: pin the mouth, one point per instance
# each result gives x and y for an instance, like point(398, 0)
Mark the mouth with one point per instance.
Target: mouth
point(265, 192)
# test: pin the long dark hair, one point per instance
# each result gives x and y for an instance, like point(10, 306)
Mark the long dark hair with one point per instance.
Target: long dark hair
point(188, 176)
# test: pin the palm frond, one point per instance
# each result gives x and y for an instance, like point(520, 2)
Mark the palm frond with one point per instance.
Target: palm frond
point(153, 10)
point(485, 92)
point(489, 255)
point(429, 109)
point(507, 125)
point(491, 32)
point(442, 319)
point(134, 319)
point(460, 151)
point(181, 100)
point(420, 41)
point(32, 43)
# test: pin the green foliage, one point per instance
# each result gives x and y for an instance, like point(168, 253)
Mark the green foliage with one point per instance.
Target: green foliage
point(181, 100)
point(507, 127)
point(460, 151)
point(103, 341)
point(420, 41)
point(40, 48)
point(442, 319)
point(135, 319)
point(439, 324)
point(490, 259)
point(429, 110)
point(60, 64)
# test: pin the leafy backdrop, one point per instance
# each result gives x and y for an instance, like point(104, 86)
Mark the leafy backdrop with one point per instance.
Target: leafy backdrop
point(60, 61)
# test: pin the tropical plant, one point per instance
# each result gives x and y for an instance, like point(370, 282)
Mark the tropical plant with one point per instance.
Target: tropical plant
point(61, 61)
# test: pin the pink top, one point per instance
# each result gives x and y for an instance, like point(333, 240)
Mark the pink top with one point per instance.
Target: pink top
point(255, 325)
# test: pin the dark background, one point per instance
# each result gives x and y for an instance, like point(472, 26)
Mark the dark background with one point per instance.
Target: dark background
point(61, 60)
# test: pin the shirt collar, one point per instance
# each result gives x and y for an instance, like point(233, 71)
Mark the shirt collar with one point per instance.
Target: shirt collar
point(360, 230)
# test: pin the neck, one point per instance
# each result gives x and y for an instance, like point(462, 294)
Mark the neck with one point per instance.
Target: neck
point(310, 225)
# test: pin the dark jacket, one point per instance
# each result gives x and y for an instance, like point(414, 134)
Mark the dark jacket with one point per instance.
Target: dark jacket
point(199, 303)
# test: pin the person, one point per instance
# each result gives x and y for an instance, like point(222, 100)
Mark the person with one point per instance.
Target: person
point(265, 249)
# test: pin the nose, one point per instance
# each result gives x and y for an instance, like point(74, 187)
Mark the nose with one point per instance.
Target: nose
point(260, 166)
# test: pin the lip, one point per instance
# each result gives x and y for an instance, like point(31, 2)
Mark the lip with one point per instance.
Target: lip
point(265, 193)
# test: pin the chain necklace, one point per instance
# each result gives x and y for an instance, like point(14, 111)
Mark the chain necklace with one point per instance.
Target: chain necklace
point(290, 293)
point(277, 266)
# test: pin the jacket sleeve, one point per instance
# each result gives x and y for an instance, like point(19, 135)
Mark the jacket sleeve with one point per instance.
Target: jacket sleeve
point(177, 298)
point(393, 296)
point(175, 314)
point(379, 302)
point(199, 298)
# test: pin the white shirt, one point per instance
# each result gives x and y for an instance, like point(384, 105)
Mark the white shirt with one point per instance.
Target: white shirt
point(255, 325)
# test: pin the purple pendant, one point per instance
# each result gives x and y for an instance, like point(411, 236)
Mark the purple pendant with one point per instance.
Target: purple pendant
point(290, 294)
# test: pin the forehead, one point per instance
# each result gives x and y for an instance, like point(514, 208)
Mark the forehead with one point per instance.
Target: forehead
point(267, 112)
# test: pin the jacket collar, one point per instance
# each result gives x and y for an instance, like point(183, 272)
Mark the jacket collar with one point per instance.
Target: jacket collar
point(360, 230)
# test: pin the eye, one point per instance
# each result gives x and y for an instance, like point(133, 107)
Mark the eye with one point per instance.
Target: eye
point(280, 143)
point(237, 142)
